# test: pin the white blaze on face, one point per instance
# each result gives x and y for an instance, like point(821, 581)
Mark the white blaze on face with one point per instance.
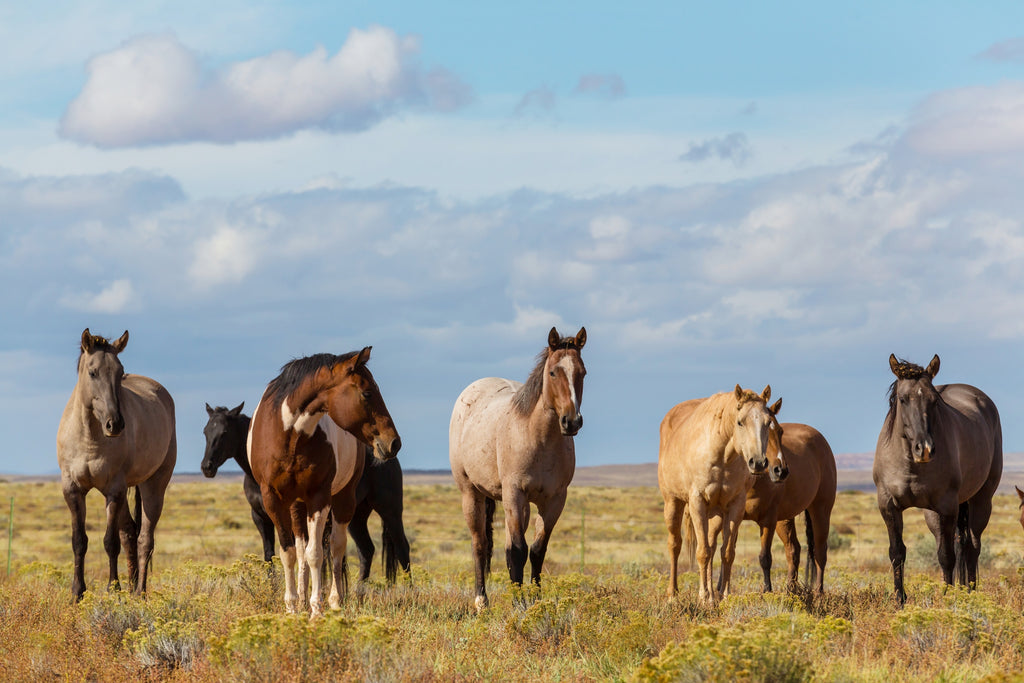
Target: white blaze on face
point(304, 423)
point(570, 373)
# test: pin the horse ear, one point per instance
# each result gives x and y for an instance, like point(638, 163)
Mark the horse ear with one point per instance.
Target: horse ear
point(933, 367)
point(234, 412)
point(363, 357)
point(209, 410)
point(776, 407)
point(893, 363)
point(581, 338)
point(767, 393)
point(1020, 494)
point(553, 339)
point(121, 342)
point(86, 340)
point(739, 393)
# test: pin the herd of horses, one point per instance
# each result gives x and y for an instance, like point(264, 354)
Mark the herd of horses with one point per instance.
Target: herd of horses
point(318, 455)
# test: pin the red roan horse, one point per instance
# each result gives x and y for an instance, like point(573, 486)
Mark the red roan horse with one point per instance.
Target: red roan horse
point(302, 447)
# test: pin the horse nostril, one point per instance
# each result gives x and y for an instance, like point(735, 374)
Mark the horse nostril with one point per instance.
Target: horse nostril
point(396, 445)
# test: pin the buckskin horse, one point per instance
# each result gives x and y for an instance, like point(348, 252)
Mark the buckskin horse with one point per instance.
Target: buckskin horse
point(940, 449)
point(117, 432)
point(708, 456)
point(302, 446)
point(379, 490)
point(514, 443)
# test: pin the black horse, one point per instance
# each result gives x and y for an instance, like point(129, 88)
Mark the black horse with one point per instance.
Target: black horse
point(380, 491)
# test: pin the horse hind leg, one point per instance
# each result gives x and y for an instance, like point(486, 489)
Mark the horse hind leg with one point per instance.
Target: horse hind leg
point(475, 511)
point(152, 492)
point(117, 507)
point(674, 509)
point(130, 538)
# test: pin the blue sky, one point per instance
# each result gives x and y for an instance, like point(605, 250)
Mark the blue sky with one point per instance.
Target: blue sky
point(748, 193)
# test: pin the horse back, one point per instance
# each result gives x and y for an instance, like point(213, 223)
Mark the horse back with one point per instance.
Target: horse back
point(670, 462)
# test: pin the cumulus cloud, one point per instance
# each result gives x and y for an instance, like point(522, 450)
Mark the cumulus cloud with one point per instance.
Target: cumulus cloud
point(538, 102)
point(733, 147)
point(969, 122)
point(610, 86)
point(228, 255)
point(154, 90)
point(117, 297)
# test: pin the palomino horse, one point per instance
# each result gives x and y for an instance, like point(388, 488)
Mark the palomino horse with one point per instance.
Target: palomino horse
point(709, 452)
point(941, 449)
point(513, 442)
point(811, 490)
point(302, 447)
point(379, 490)
point(117, 431)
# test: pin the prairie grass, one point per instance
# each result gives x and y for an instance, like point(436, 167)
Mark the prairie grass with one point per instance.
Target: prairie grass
point(215, 611)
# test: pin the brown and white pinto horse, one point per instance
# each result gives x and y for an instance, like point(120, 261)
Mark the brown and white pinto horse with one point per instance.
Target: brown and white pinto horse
point(514, 443)
point(302, 447)
point(117, 431)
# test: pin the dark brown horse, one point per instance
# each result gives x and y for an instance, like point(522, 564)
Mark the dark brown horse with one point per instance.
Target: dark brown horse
point(811, 489)
point(514, 443)
point(117, 431)
point(302, 447)
point(940, 449)
point(1020, 494)
point(379, 490)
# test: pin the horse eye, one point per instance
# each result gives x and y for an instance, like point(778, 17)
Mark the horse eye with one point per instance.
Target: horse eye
point(366, 395)
point(92, 373)
point(552, 373)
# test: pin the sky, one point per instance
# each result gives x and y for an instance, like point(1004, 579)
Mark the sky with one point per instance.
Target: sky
point(721, 193)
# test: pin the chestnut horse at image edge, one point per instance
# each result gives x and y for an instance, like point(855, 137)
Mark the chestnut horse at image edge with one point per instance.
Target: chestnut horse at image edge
point(940, 449)
point(117, 432)
point(709, 453)
point(379, 490)
point(303, 447)
point(514, 443)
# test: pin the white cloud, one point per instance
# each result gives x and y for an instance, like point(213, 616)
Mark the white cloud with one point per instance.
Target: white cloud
point(226, 256)
point(153, 90)
point(117, 297)
point(982, 120)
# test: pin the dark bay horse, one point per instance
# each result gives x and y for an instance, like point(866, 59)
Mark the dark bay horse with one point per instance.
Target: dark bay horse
point(117, 431)
point(379, 490)
point(709, 452)
point(940, 449)
point(514, 443)
point(810, 489)
point(303, 446)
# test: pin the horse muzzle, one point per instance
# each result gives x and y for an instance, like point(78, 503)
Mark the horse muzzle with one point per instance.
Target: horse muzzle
point(385, 450)
point(570, 426)
point(113, 426)
point(757, 465)
point(922, 451)
point(778, 473)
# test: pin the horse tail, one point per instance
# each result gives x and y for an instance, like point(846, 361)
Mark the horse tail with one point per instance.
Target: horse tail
point(963, 518)
point(390, 556)
point(811, 571)
point(489, 506)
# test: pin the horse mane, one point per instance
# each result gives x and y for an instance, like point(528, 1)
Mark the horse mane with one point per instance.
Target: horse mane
point(295, 372)
point(99, 344)
point(526, 398)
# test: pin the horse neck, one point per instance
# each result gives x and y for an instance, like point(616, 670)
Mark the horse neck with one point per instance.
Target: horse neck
point(241, 425)
point(82, 415)
point(721, 410)
point(542, 422)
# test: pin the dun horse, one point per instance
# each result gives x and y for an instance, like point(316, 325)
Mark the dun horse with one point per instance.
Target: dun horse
point(380, 490)
point(811, 490)
point(302, 447)
point(941, 449)
point(708, 455)
point(514, 443)
point(117, 431)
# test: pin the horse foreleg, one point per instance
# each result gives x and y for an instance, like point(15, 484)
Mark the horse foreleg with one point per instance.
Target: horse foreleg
point(943, 527)
point(517, 517)
point(280, 515)
point(361, 536)
point(548, 513)
point(314, 557)
point(893, 518)
point(698, 514)
point(343, 508)
point(674, 509)
point(117, 504)
point(298, 516)
point(474, 511)
point(74, 496)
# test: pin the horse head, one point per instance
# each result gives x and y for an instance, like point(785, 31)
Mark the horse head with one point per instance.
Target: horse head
point(222, 442)
point(753, 423)
point(912, 396)
point(355, 404)
point(563, 375)
point(778, 468)
point(99, 377)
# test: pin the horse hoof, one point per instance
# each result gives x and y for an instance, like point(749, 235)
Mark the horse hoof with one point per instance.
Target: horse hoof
point(480, 603)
